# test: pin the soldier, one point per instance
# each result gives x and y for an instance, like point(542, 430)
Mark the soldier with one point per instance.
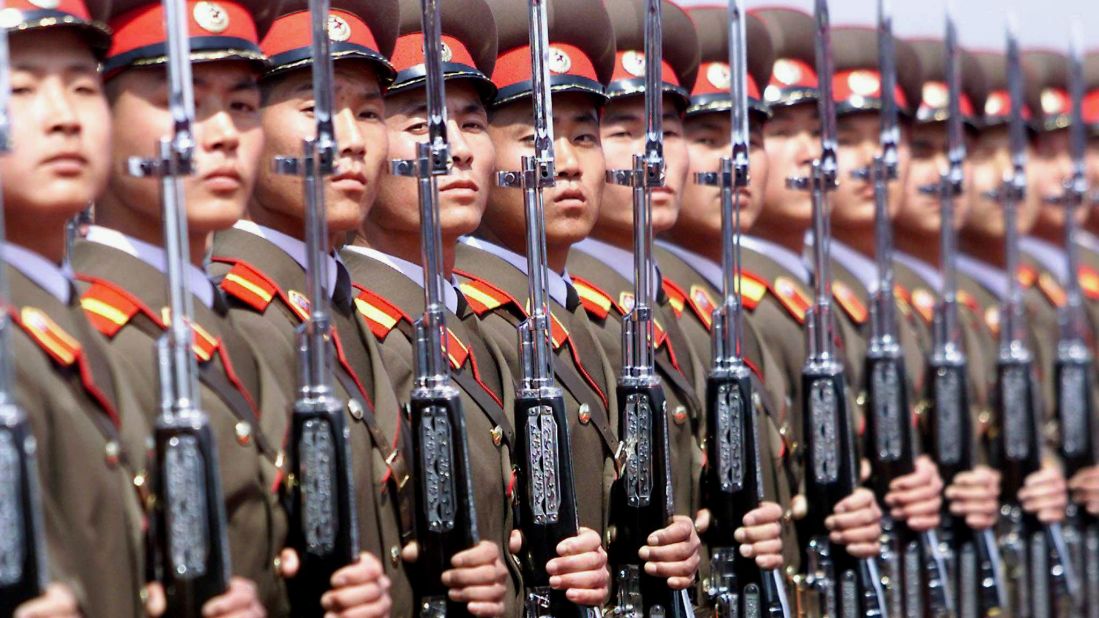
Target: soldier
point(261, 264)
point(90, 438)
point(121, 262)
point(493, 268)
point(982, 261)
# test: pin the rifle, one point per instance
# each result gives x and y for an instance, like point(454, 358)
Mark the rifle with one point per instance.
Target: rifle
point(547, 507)
point(642, 498)
point(23, 567)
point(1034, 553)
point(1074, 364)
point(733, 480)
point(842, 585)
point(190, 528)
point(323, 520)
point(446, 520)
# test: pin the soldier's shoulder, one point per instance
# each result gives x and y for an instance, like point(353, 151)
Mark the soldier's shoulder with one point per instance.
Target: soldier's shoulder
point(597, 302)
point(381, 314)
point(486, 297)
point(110, 307)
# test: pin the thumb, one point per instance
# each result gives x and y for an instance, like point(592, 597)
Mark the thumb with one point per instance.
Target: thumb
point(288, 563)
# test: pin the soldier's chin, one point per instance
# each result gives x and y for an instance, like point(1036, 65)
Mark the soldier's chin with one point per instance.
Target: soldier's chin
point(208, 215)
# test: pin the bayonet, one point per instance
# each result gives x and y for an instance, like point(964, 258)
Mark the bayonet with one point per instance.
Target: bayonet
point(642, 498)
point(446, 516)
point(734, 475)
point(324, 526)
point(23, 567)
point(842, 584)
point(547, 506)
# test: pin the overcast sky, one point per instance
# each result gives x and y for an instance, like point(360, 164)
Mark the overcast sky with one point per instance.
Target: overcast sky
point(1043, 23)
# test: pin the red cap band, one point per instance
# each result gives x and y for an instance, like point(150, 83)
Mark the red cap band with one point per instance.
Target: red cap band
point(513, 67)
point(409, 51)
point(793, 73)
point(76, 8)
point(630, 64)
point(1055, 102)
point(144, 26)
point(1091, 107)
point(714, 78)
point(936, 96)
point(998, 105)
point(864, 83)
point(295, 31)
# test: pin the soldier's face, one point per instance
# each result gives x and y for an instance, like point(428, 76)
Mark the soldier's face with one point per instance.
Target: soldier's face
point(1093, 176)
point(623, 133)
point(464, 192)
point(228, 141)
point(60, 129)
point(921, 213)
point(1051, 166)
point(857, 139)
point(989, 160)
point(359, 117)
point(572, 204)
point(708, 142)
point(792, 140)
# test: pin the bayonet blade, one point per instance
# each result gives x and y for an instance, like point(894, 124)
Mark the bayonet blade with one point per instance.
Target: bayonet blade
point(654, 89)
point(826, 105)
point(738, 91)
point(540, 85)
point(887, 66)
point(1077, 134)
point(436, 89)
point(1016, 92)
point(955, 136)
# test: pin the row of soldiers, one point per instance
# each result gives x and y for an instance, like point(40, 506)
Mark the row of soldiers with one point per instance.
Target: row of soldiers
point(89, 93)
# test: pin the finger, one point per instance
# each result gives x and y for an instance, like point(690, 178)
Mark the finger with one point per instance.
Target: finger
point(847, 520)
point(863, 534)
point(761, 549)
point(410, 552)
point(855, 502)
point(365, 570)
point(486, 609)
point(682, 568)
point(680, 583)
point(591, 598)
point(575, 564)
point(352, 596)
point(586, 540)
point(767, 512)
point(373, 610)
point(587, 580)
point(155, 601)
point(515, 542)
point(669, 553)
point(493, 593)
point(482, 553)
point(864, 550)
point(678, 531)
point(470, 576)
point(755, 534)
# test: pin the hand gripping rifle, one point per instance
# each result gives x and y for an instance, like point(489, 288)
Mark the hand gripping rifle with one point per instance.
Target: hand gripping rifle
point(844, 586)
point(1034, 553)
point(733, 479)
point(23, 568)
point(642, 498)
point(1074, 366)
point(547, 507)
point(446, 518)
point(190, 528)
point(972, 554)
point(323, 521)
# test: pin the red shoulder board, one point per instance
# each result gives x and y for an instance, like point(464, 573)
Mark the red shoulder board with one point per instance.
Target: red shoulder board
point(1089, 282)
point(752, 289)
point(702, 305)
point(924, 302)
point(110, 308)
point(849, 300)
point(969, 300)
point(1053, 290)
point(1027, 275)
point(792, 297)
point(485, 297)
point(677, 297)
point(595, 301)
point(248, 285)
point(57, 343)
point(382, 315)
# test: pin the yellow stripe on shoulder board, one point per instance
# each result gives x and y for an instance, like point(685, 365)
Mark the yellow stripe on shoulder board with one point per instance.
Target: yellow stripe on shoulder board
point(248, 285)
point(751, 289)
point(591, 295)
point(104, 310)
point(471, 291)
point(374, 314)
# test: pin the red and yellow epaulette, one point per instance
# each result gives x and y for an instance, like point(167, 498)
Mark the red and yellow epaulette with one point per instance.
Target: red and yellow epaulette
point(849, 300)
point(252, 287)
point(1027, 275)
point(110, 308)
point(204, 345)
point(1052, 289)
point(924, 302)
point(58, 344)
point(969, 300)
point(1089, 282)
point(904, 299)
point(702, 305)
point(677, 296)
point(992, 319)
point(382, 315)
point(485, 297)
point(752, 289)
point(596, 302)
point(791, 297)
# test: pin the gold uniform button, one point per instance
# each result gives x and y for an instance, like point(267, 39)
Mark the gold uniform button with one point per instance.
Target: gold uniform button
point(861, 399)
point(111, 452)
point(784, 430)
point(355, 409)
point(395, 556)
point(680, 415)
point(497, 433)
point(243, 431)
point(584, 414)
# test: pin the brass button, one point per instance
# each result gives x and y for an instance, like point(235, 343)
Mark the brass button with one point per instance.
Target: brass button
point(585, 414)
point(244, 433)
point(497, 433)
point(860, 400)
point(610, 535)
point(111, 452)
point(355, 408)
point(784, 430)
point(395, 556)
point(280, 460)
point(680, 415)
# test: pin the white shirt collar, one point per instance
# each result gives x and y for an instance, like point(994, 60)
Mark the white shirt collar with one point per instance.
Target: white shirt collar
point(620, 260)
point(862, 267)
point(415, 272)
point(783, 256)
point(709, 269)
point(154, 256)
point(45, 274)
point(557, 284)
point(1087, 240)
point(931, 275)
point(1049, 255)
point(293, 247)
point(991, 277)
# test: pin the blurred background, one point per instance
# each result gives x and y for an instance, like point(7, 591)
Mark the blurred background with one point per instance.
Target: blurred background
point(1042, 23)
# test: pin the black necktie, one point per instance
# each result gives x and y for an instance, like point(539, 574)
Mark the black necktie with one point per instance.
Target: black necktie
point(572, 298)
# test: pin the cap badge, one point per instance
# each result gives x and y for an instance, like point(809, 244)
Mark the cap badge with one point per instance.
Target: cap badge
point(446, 53)
point(935, 94)
point(864, 83)
point(211, 16)
point(338, 29)
point(634, 63)
point(718, 75)
point(559, 60)
point(48, 5)
point(994, 106)
point(1053, 102)
point(786, 71)
point(10, 18)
